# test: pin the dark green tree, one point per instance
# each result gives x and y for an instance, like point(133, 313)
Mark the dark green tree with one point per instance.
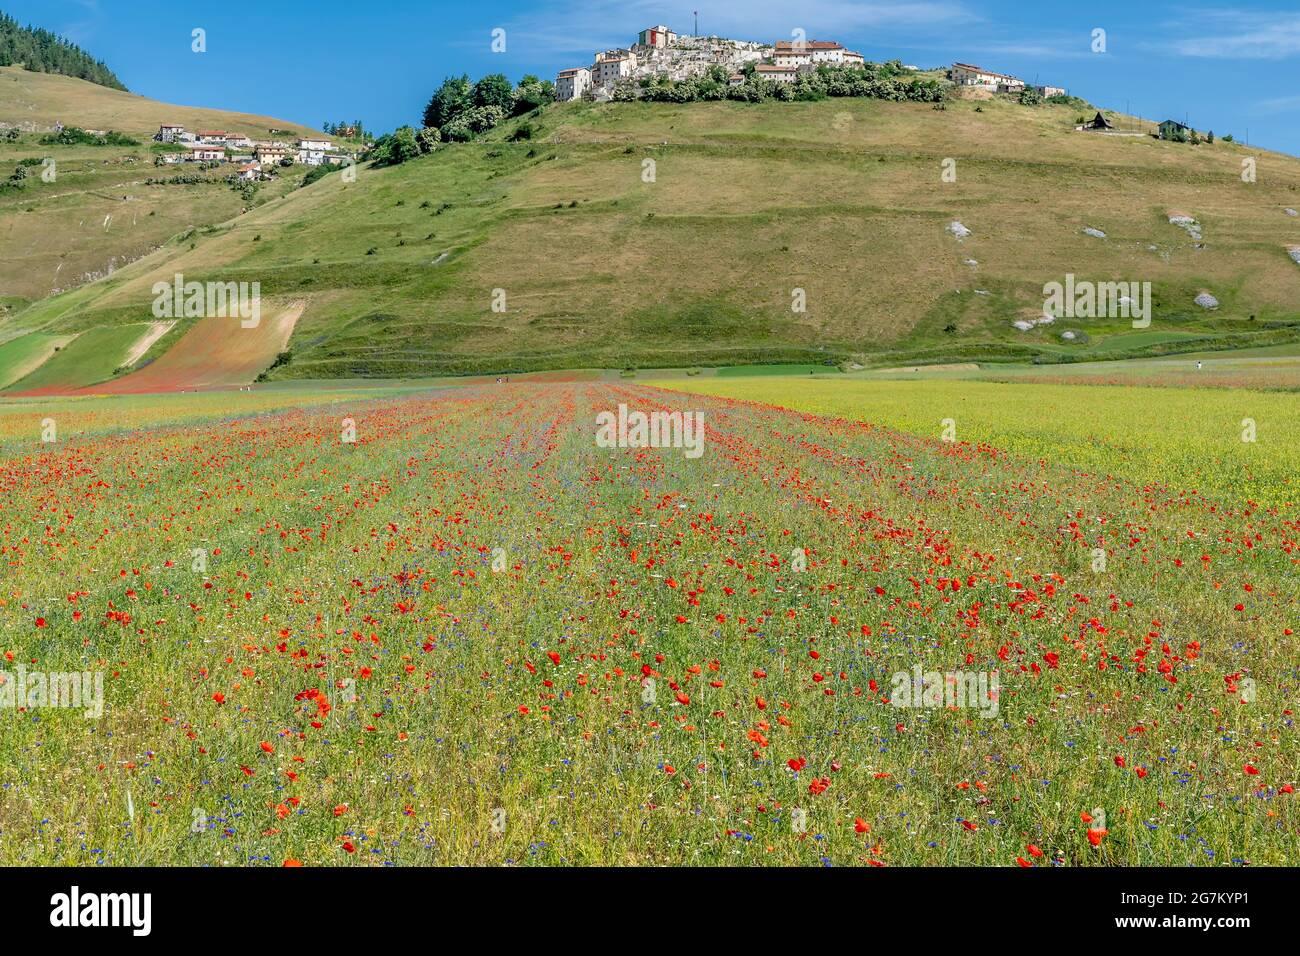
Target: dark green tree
point(397, 147)
point(495, 90)
point(452, 98)
point(532, 94)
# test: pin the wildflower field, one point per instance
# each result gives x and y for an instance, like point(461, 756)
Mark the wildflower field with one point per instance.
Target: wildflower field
point(443, 626)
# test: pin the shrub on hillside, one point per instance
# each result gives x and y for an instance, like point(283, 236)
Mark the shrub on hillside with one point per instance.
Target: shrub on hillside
point(317, 172)
point(808, 88)
point(1074, 102)
point(281, 360)
point(428, 138)
point(471, 122)
point(396, 147)
point(747, 93)
point(532, 94)
point(75, 136)
point(13, 183)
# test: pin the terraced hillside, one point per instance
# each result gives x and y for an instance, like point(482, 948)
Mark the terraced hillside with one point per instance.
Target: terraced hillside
point(658, 235)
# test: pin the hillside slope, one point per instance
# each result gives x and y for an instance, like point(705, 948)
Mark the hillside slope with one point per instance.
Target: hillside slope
point(36, 101)
point(842, 199)
point(99, 213)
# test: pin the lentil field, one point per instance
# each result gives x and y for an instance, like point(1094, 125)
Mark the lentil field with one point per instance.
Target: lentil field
point(474, 636)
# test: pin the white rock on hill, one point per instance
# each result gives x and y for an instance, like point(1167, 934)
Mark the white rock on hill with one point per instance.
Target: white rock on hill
point(1207, 301)
point(1187, 222)
point(958, 230)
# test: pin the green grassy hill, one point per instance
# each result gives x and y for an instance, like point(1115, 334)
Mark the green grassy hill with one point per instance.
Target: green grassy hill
point(35, 102)
point(99, 213)
point(842, 199)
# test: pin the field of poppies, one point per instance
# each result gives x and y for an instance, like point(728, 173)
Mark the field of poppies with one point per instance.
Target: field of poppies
point(448, 626)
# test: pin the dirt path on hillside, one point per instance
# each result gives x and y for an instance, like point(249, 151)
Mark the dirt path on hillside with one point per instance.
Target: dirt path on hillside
point(142, 345)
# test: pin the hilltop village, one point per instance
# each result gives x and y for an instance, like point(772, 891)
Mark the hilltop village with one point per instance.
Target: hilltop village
point(661, 54)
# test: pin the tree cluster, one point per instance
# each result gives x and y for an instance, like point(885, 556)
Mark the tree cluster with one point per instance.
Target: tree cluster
point(44, 52)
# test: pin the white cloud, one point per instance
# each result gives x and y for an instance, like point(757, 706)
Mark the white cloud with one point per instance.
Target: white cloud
point(1240, 35)
point(83, 31)
point(1281, 104)
point(1075, 45)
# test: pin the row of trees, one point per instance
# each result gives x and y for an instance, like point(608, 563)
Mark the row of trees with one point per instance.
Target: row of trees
point(44, 52)
point(459, 111)
point(356, 130)
point(881, 81)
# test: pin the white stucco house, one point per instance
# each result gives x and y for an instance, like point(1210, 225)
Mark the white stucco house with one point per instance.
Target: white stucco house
point(571, 84)
point(780, 74)
point(612, 66)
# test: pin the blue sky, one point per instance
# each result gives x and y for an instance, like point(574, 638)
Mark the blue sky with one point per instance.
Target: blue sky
point(1228, 67)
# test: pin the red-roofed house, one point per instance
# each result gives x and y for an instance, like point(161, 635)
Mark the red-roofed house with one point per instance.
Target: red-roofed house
point(818, 51)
